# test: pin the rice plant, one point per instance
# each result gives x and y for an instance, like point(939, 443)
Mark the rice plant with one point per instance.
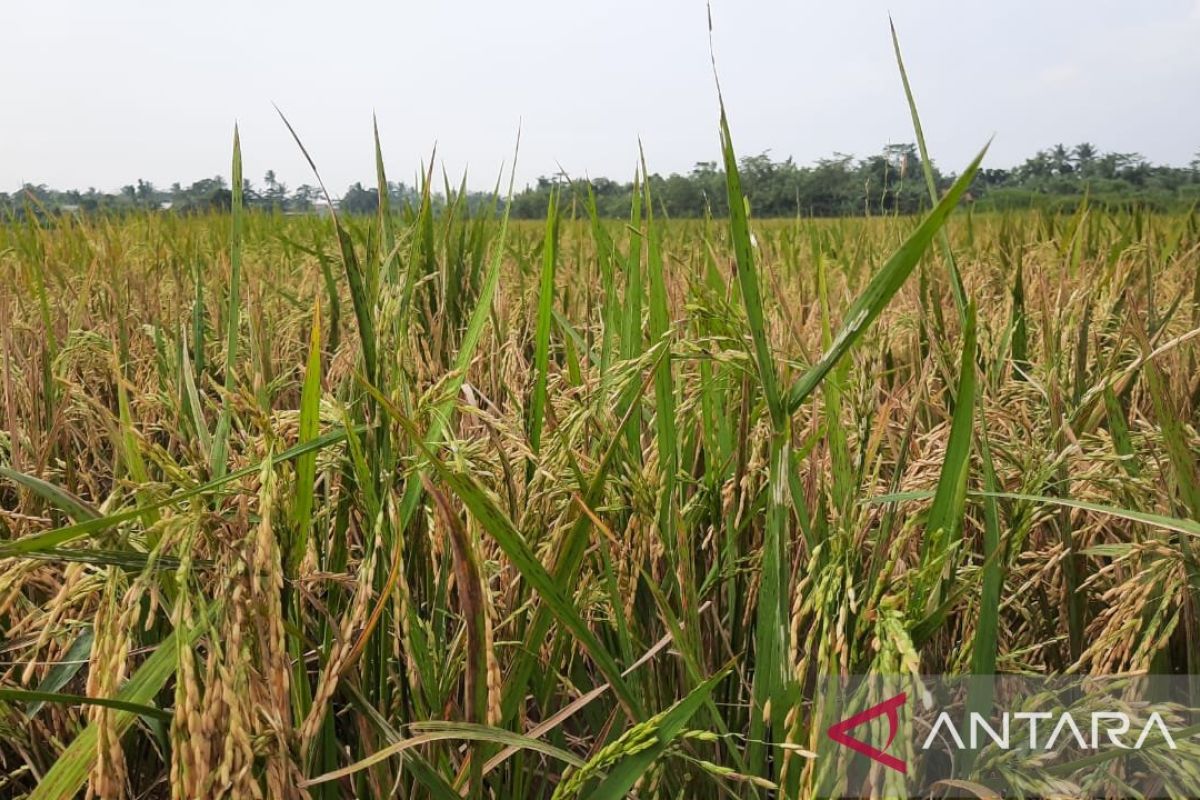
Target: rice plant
point(435, 504)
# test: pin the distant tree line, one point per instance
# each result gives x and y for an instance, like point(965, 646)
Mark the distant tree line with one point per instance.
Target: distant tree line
point(893, 182)
point(207, 194)
point(890, 182)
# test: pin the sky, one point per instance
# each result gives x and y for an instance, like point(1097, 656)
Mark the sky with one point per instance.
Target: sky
point(103, 93)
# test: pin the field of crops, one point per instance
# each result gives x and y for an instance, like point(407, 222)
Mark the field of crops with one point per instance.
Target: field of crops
point(435, 505)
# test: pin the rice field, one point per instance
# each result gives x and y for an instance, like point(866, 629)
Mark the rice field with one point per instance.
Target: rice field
point(432, 505)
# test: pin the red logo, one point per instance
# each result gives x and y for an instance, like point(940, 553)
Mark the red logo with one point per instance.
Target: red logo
point(839, 732)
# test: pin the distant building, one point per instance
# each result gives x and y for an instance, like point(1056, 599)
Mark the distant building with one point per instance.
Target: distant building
point(318, 207)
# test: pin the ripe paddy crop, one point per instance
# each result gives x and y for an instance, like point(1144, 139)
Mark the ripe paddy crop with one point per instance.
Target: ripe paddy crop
point(434, 504)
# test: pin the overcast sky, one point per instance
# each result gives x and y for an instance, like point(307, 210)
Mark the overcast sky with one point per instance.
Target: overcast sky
point(102, 93)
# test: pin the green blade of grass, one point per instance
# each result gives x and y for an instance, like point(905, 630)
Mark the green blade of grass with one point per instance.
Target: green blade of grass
point(198, 326)
point(610, 312)
point(945, 515)
point(387, 233)
point(42, 697)
point(220, 445)
point(984, 646)
point(747, 274)
point(74, 507)
point(1119, 431)
point(956, 283)
point(1020, 334)
point(883, 286)
point(128, 560)
point(771, 634)
point(631, 330)
point(77, 655)
point(664, 393)
point(306, 464)
point(1185, 526)
point(541, 340)
point(192, 396)
point(295, 550)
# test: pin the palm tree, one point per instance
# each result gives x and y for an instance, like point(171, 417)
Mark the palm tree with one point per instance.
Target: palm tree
point(1037, 166)
point(1060, 160)
point(276, 192)
point(145, 192)
point(1085, 156)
